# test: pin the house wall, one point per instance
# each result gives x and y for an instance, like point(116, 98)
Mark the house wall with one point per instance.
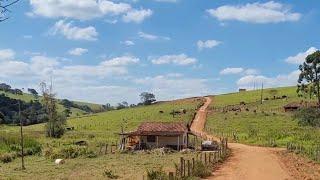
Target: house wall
point(164, 141)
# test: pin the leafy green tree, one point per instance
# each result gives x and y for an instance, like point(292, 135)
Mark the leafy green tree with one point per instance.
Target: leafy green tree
point(310, 75)
point(33, 92)
point(147, 98)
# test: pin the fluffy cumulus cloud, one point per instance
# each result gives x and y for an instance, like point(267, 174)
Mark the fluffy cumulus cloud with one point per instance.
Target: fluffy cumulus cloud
point(137, 16)
point(172, 87)
point(151, 37)
point(69, 78)
point(72, 32)
point(6, 54)
point(87, 9)
point(250, 81)
point(77, 51)
point(180, 59)
point(207, 44)
point(300, 57)
point(269, 12)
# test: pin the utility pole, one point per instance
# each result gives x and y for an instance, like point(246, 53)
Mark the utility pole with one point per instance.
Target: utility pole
point(262, 93)
point(21, 137)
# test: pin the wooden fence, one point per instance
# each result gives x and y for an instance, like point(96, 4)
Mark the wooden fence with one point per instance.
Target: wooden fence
point(186, 166)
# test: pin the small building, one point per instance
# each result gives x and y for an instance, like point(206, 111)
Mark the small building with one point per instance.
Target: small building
point(242, 90)
point(150, 135)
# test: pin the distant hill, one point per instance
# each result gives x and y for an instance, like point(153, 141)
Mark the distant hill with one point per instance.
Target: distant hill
point(74, 111)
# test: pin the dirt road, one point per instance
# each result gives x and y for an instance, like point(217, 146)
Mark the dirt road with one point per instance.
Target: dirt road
point(246, 162)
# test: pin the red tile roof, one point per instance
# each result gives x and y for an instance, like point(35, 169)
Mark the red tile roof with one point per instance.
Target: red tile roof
point(160, 129)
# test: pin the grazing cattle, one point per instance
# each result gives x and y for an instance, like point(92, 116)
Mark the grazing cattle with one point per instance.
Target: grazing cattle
point(161, 112)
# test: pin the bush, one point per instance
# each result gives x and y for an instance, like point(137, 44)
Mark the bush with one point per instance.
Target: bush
point(7, 157)
point(156, 174)
point(308, 117)
point(201, 170)
point(68, 152)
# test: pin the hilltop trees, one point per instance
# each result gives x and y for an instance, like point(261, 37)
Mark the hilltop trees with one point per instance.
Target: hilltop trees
point(55, 126)
point(309, 78)
point(33, 92)
point(147, 98)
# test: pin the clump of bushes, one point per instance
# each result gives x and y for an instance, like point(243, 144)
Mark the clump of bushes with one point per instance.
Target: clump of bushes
point(201, 169)
point(68, 152)
point(7, 157)
point(156, 174)
point(308, 117)
point(10, 145)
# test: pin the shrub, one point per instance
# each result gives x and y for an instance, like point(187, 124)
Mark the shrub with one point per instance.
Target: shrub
point(156, 174)
point(308, 117)
point(201, 170)
point(7, 157)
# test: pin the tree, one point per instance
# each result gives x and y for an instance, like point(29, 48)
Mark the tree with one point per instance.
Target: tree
point(33, 92)
point(5, 87)
point(147, 98)
point(4, 8)
point(55, 126)
point(310, 75)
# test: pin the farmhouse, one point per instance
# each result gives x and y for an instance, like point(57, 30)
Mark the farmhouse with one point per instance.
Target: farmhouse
point(150, 135)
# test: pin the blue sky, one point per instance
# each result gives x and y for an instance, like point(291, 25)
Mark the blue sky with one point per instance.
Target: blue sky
point(111, 51)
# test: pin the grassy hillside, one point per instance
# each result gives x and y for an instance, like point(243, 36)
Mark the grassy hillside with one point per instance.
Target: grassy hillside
point(98, 129)
point(74, 111)
point(269, 126)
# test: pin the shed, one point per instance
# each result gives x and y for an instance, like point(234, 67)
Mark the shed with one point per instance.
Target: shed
point(151, 135)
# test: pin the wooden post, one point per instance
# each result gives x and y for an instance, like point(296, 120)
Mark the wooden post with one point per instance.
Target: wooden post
point(181, 166)
point(184, 168)
point(171, 176)
point(157, 141)
point(193, 164)
point(178, 146)
point(106, 150)
point(189, 168)
point(205, 158)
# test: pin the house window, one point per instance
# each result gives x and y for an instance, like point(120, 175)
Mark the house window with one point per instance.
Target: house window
point(151, 139)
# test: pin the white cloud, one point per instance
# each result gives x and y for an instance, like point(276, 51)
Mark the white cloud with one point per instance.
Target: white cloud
point(207, 44)
point(137, 16)
point(6, 54)
point(180, 59)
point(238, 70)
point(228, 71)
point(77, 51)
point(27, 36)
point(72, 32)
point(121, 61)
point(128, 43)
point(152, 37)
point(173, 87)
point(269, 12)
point(77, 9)
point(281, 80)
point(300, 57)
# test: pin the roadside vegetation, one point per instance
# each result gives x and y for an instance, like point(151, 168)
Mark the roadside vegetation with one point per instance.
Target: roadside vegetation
point(265, 124)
